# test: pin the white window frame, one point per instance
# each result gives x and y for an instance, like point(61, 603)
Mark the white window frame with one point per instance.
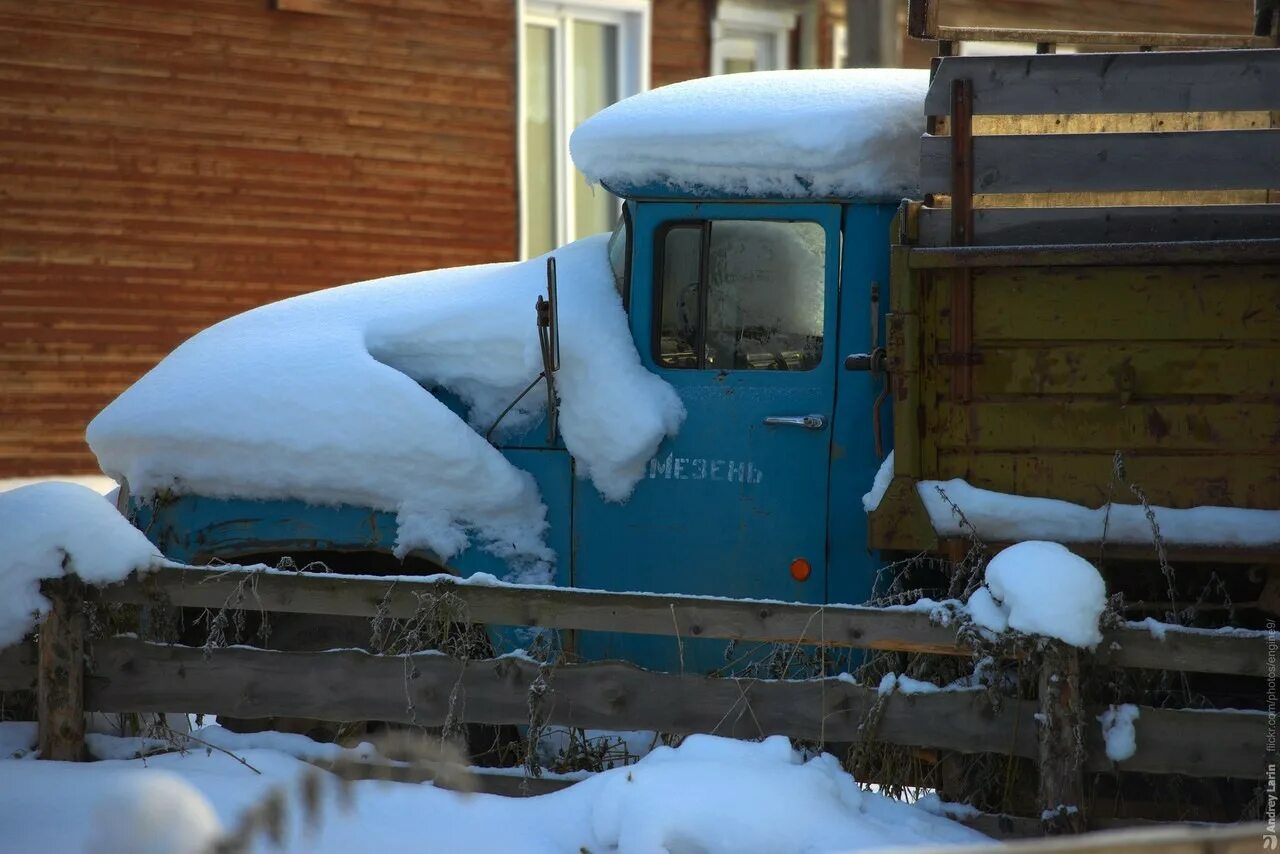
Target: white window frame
point(839, 44)
point(734, 21)
point(633, 20)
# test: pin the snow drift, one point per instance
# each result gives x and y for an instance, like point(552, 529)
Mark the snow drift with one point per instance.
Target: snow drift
point(999, 516)
point(47, 529)
point(848, 133)
point(710, 795)
point(325, 398)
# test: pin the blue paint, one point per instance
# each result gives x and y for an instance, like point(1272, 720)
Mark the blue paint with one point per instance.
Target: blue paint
point(853, 459)
point(726, 505)
point(195, 529)
point(685, 531)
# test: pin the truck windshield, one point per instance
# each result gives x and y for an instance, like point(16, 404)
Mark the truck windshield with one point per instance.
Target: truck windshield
point(619, 249)
point(741, 295)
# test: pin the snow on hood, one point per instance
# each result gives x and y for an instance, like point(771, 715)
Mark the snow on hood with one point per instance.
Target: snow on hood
point(48, 529)
point(321, 398)
point(847, 133)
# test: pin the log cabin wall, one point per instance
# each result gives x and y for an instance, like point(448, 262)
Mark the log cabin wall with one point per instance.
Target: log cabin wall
point(165, 165)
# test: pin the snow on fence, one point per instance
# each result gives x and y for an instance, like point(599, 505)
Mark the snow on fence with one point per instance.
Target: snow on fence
point(131, 675)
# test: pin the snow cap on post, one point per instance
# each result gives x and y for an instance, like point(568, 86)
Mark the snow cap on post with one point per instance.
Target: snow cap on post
point(1042, 588)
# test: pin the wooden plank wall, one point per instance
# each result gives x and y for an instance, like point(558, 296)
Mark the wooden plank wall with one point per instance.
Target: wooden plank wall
point(165, 165)
point(681, 44)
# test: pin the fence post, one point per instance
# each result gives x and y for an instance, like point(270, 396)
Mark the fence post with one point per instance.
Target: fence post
point(1061, 741)
point(60, 684)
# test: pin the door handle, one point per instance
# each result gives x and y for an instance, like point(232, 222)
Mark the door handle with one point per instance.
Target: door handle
point(809, 422)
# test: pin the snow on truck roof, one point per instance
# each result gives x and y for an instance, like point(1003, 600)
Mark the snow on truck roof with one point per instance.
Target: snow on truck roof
point(846, 133)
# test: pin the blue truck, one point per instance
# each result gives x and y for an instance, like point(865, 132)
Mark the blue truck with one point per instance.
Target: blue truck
point(757, 496)
point(768, 312)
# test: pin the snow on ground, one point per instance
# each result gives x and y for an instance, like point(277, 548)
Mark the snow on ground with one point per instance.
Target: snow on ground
point(1041, 588)
point(47, 529)
point(998, 517)
point(322, 398)
point(17, 739)
point(710, 795)
point(1118, 731)
point(848, 133)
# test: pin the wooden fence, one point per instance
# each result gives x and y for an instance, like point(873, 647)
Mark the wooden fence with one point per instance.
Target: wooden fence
point(126, 674)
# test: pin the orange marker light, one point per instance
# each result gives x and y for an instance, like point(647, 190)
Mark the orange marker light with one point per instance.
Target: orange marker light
point(800, 569)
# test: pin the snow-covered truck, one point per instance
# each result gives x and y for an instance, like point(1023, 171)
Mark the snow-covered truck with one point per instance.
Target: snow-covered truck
point(728, 411)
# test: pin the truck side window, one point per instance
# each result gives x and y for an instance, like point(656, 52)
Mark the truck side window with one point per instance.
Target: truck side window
point(620, 257)
point(741, 295)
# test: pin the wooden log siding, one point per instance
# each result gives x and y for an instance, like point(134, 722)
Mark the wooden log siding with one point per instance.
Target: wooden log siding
point(134, 676)
point(166, 165)
point(1241, 653)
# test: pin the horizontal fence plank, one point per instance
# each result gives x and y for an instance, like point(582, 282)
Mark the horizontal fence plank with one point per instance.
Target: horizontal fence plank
point(430, 688)
point(550, 607)
point(477, 779)
point(350, 685)
point(1092, 162)
point(1112, 82)
point(1044, 226)
point(689, 616)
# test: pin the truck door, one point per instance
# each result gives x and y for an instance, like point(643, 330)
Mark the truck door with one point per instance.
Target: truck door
point(735, 305)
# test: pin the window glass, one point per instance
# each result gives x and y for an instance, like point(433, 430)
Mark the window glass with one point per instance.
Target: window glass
point(681, 276)
point(595, 86)
point(742, 295)
point(619, 247)
point(540, 138)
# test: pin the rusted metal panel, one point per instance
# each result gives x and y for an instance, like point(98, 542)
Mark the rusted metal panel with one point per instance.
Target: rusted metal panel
point(1110, 224)
point(1084, 477)
point(1263, 251)
point(1128, 372)
point(1128, 304)
point(1036, 426)
point(1175, 365)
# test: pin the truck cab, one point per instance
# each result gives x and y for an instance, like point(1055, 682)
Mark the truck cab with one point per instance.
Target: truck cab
point(760, 305)
point(750, 309)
